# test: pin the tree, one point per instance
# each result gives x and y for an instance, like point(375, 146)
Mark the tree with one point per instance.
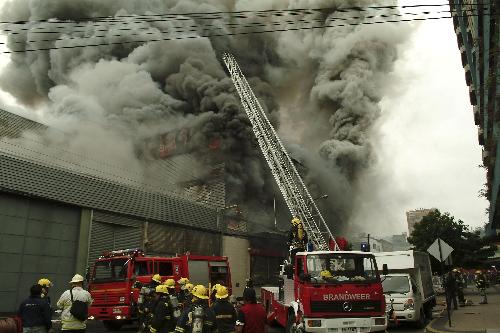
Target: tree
point(469, 249)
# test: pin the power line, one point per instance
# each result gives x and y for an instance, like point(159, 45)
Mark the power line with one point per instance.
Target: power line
point(228, 34)
point(242, 12)
point(232, 25)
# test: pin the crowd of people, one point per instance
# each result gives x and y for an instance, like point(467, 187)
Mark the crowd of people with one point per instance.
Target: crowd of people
point(163, 307)
point(458, 279)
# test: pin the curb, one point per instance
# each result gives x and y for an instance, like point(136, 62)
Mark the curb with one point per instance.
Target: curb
point(431, 329)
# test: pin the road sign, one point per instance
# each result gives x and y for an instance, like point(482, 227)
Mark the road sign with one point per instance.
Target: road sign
point(435, 251)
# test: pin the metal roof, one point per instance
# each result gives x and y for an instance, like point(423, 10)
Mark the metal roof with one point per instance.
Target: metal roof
point(12, 125)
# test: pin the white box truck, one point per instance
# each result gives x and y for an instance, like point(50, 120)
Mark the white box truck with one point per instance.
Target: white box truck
point(408, 287)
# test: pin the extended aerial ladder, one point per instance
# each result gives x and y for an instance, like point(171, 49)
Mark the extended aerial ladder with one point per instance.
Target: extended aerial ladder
point(292, 187)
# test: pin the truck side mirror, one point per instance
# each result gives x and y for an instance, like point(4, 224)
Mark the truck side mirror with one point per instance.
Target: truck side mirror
point(385, 270)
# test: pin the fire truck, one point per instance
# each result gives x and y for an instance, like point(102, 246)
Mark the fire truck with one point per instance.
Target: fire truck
point(324, 289)
point(117, 277)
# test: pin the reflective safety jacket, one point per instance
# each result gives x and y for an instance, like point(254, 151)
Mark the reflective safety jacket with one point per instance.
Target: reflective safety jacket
point(162, 320)
point(225, 316)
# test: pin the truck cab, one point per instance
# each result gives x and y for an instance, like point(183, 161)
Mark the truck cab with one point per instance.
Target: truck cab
point(329, 291)
point(408, 286)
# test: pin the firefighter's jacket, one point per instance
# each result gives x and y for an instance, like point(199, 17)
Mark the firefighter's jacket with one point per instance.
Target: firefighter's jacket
point(162, 320)
point(297, 237)
point(185, 323)
point(225, 316)
point(480, 281)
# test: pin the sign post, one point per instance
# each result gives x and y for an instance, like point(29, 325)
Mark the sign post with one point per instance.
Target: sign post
point(441, 250)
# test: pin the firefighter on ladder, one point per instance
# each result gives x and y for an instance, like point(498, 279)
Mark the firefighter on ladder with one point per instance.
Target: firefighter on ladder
point(297, 238)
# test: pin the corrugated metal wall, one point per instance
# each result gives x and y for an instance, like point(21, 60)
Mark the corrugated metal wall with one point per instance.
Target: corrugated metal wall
point(169, 240)
point(113, 232)
point(38, 239)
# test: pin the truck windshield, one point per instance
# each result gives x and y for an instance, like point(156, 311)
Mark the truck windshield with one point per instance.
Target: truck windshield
point(334, 268)
point(111, 270)
point(396, 284)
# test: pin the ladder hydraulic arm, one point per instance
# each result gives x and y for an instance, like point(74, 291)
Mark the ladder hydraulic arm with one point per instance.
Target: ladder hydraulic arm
point(292, 187)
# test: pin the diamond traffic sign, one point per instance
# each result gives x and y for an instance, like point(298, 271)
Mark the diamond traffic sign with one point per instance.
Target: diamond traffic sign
point(445, 249)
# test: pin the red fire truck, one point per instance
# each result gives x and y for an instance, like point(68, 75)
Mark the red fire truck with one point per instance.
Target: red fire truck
point(117, 275)
point(328, 291)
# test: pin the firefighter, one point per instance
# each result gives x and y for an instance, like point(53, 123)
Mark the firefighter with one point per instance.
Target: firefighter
point(297, 238)
point(181, 295)
point(481, 286)
point(187, 295)
point(197, 318)
point(225, 313)
point(46, 285)
point(460, 286)
point(146, 302)
point(170, 284)
point(162, 320)
point(213, 291)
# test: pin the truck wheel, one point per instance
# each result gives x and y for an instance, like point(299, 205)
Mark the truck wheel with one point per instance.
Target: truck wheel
point(112, 325)
point(421, 321)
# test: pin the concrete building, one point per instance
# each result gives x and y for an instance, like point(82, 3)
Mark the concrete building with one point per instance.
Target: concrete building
point(60, 210)
point(477, 29)
point(377, 244)
point(399, 242)
point(415, 216)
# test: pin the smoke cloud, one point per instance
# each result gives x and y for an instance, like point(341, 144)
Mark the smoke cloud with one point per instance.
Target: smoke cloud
point(320, 87)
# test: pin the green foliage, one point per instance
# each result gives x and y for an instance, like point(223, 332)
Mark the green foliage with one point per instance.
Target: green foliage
point(469, 249)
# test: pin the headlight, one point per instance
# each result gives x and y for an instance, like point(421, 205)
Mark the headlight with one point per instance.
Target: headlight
point(314, 323)
point(409, 304)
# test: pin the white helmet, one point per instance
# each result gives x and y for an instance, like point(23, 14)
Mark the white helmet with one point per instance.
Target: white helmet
point(76, 279)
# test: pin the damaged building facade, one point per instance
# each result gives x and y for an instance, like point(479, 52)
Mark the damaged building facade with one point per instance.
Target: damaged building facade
point(61, 211)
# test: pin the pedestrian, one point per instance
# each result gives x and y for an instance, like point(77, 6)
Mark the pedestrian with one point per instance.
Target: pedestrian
point(73, 296)
point(225, 313)
point(162, 320)
point(481, 286)
point(450, 287)
point(198, 317)
point(252, 316)
point(35, 312)
point(460, 286)
point(146, 302)
point(46, 285)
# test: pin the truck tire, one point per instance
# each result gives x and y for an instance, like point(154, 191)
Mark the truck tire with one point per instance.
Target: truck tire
point(112, 325)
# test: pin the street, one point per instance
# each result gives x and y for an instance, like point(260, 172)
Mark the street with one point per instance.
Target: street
point(97, 327)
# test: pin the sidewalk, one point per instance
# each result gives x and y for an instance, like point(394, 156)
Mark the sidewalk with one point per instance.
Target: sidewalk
point(475, 318)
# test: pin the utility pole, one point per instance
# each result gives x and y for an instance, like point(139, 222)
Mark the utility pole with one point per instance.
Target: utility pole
point(448, 299)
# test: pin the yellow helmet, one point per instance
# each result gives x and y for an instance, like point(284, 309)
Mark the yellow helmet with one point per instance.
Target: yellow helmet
point(478, 272)
point(189, 287)
point(182, 282)
point(325, 274)
point(215, 287)
point(222, 293)
point(156, 278)
point(162, 289)
point(45, 283)
point(170, 283)
point(200, 291)
point(295, 221)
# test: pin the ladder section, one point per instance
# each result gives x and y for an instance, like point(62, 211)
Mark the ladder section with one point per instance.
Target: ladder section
point(297, 197)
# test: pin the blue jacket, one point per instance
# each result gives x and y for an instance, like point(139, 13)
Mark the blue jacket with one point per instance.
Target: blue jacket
point(35, 311)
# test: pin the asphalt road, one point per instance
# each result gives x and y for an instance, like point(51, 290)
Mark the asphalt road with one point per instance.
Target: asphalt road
point(97, 327)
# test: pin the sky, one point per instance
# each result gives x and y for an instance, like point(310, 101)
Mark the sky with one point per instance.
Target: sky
point(426, 138)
